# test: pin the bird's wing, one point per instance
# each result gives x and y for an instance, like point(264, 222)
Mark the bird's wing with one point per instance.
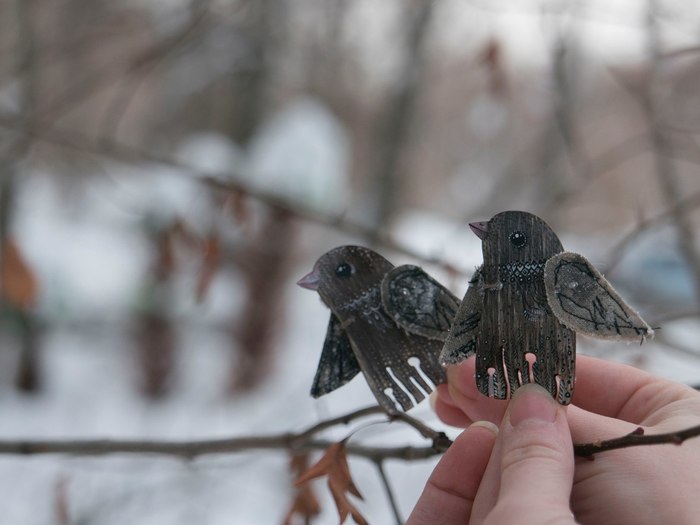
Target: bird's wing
point(584, 301)
point(462, 338)
point(418, 303)
point(338, 363)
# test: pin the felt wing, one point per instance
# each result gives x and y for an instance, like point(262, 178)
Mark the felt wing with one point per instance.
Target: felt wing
point(584, 301)
point(338, 363)
point(463, 336)
point(418, 303)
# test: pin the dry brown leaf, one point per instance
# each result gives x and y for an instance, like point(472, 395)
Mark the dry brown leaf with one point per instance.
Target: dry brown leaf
point(305, 504)
point(334, 465)
point(19, 285)
point(239, 207)
point(211, 258)
point(164, 264)
point(180, 232)
point(491, 57)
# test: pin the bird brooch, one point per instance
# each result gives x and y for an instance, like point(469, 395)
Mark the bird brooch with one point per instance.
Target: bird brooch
point(381, 317)
point(524, 306)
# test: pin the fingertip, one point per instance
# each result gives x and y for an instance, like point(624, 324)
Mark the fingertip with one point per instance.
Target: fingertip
point(442, 392)
point(449, 495)
point(461, 376)
point(488, 425)
point(449, 414)
point(532, 403)
point(535, 438)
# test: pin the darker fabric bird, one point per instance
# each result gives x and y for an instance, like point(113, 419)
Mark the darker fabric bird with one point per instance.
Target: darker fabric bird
point(381, 316)
point(524, 305)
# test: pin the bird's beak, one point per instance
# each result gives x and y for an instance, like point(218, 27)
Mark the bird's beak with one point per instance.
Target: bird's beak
point(481, 229)
point(310, 280)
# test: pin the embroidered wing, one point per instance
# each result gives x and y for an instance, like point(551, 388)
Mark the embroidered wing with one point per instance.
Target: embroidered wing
point(463, 336)
point(418, 303)
point(338, 363)
point(584, 301)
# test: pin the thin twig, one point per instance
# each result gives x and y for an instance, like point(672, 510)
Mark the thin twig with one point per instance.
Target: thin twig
point(95, 84)
point(389, 493)
point(618, 251)
point(666, 171)
point(636, 438)
point(291, 442)
point(344, 419)
point(193, 449)
point(224, 181)
point(618, 154)
point(439, 439)
point(294, 442)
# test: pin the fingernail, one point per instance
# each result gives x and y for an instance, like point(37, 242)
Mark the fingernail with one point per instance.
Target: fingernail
point(532, 403)
point(485, 424)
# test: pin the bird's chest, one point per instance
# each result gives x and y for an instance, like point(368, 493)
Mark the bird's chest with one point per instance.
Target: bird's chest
point(364, 308)
point(520, 274)
point(515, 298)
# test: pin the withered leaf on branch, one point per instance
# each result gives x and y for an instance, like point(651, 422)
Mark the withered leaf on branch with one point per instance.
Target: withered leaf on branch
point(164, 263)
point(491, 57)
point(211, 258)
point(305, 504)
point(181, 232)
point(334, 465)
point(238, 202)
point(19, 285)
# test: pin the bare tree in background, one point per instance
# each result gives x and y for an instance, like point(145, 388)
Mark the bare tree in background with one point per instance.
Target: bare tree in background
point(464, 126)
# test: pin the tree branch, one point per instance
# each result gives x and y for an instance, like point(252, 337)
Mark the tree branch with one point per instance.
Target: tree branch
point(389, 493)
point(618, 251)
point(224, 181)
point(294, 442)
point(636, 438)
point(193, 449)
point(302, 442)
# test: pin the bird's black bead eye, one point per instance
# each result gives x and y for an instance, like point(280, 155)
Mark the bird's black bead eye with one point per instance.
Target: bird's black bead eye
point(518, 239)
point(344, 270)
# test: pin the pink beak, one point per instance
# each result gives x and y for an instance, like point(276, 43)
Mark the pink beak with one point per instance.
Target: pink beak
point(310, 280)
point(481, 229)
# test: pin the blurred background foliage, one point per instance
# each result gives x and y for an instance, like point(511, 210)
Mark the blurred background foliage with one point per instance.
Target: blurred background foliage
point(169, 168)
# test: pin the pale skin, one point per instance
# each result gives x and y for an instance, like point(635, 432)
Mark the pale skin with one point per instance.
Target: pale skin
point(514, 463)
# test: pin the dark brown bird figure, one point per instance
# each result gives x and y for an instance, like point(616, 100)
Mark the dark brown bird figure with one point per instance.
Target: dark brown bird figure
point(524, 305)
point(381, 316)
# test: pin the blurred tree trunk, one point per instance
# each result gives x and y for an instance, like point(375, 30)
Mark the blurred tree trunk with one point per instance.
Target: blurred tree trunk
point(395, 123)
point(263, 259)
point(264, 262)
point(155, 333)
point(250, 89)
point(21, 316)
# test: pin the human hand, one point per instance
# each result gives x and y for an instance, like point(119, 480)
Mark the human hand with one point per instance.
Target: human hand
point(644, 484)
point(527, 479)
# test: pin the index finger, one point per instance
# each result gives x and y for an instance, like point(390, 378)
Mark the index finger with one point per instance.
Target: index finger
point(450, 491)
point(622, 391)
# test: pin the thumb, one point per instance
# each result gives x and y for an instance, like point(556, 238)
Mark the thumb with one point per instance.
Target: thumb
point(536, 460)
